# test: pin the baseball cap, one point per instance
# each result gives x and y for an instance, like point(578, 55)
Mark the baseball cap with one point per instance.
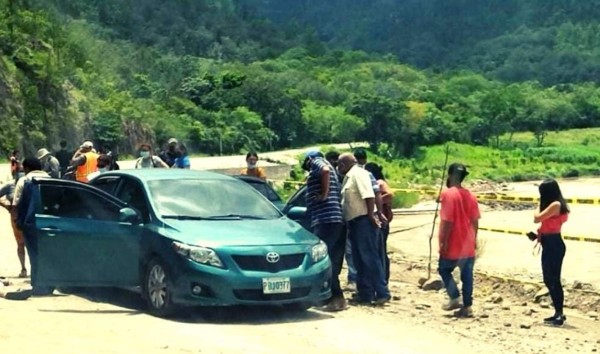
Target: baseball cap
point(87, 144)
point(458, 168)
point(41, 153)
point(313, 154)
point(172, 141)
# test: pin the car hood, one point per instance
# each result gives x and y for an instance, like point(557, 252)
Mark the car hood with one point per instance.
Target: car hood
point(245, 232)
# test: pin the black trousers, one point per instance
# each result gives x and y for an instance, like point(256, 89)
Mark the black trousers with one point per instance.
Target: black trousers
point(553, 253)
point(335, 239)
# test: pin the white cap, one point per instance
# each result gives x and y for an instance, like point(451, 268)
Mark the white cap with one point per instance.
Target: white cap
point(41, 153)
point(87, 144)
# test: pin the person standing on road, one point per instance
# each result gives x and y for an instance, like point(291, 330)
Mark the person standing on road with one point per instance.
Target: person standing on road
point(7, 191)
point(64, 157)
point(459, 214)
point(252, 168)
point(15, 164)
point(387, 196)
point(104, 165)
point(183, 160)
point(170, 154)
point(84, 161)
point(26, 205)
point(323, 206)
point(147, 160)
point(360, 213)
point(553, 212)
point(50, 164)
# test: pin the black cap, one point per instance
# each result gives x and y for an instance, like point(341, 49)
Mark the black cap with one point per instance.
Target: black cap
point(458, 169)
point(360, 154)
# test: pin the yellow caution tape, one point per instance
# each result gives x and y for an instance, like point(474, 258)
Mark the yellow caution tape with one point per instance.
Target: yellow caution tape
point(522, 233)
point(480, 196)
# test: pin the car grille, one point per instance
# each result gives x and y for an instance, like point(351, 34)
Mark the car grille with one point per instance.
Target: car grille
point(257, 295)
point(260, 264)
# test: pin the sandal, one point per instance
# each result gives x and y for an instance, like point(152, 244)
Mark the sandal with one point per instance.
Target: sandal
point(23, 273)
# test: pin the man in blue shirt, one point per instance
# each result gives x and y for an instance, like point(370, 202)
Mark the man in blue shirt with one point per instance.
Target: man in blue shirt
point(327, 221)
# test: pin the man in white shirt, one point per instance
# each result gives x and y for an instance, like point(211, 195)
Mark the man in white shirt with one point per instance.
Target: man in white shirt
point(358, 204)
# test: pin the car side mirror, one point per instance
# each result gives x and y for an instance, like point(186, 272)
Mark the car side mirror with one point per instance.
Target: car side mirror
point(296, 212)
point(129, 215)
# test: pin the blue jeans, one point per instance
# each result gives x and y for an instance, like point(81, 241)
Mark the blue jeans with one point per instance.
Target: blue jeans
point(30, 238)
point(350, 260)
point(366, 251)
point(445, 268)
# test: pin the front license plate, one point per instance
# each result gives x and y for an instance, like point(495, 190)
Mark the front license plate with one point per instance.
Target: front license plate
point(276, 285)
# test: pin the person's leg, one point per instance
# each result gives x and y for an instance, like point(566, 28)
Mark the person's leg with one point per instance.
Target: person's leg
point(332, 236)
point(466, 277)
point(20, 243)
point(552, 256)
point(365, 291)
point(349, 259)
point(31, 245)
point(370, 253)
point(385, 231)
point(445, 268)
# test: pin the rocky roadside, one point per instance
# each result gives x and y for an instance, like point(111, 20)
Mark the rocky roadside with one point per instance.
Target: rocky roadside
point(507, 313)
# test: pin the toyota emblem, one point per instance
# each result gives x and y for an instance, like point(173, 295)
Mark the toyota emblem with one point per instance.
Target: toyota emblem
point(272, 257)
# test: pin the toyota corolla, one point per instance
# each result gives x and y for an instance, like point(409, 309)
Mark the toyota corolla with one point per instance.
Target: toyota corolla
point(183, 237)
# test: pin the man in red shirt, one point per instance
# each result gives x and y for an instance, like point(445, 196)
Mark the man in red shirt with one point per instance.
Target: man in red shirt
point(459, 216)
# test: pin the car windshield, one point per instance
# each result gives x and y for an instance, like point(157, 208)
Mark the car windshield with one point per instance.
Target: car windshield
point(188, 199)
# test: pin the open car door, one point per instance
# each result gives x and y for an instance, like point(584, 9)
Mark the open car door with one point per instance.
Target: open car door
point(86, 237)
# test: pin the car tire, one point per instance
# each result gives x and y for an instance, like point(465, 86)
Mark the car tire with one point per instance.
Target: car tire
point(158, 289)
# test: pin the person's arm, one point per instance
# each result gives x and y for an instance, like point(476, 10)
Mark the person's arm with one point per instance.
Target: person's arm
point(552, 210)
point(78, 160)
point(54, 168)
point(371, 212)
point(158, 162)
point(446, 228)
point(261, 174)
point(324, 183)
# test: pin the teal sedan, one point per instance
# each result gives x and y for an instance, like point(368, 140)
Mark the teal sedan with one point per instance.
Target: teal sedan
point(183, 237)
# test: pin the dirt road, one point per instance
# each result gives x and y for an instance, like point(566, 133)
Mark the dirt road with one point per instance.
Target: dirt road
point(507, 319)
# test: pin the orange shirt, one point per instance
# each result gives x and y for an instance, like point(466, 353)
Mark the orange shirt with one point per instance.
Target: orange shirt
point(553, 224)
point(459, 207)
point(255, 172)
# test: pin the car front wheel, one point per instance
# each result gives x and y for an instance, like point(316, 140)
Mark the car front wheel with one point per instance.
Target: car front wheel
point(158, 289)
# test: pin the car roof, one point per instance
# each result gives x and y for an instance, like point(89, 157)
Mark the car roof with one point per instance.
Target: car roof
point(152, 174)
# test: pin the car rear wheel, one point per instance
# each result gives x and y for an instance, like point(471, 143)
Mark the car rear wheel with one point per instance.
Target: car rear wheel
point(158, 290)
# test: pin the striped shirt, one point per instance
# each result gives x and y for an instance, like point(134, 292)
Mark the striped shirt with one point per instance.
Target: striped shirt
point(329, 210)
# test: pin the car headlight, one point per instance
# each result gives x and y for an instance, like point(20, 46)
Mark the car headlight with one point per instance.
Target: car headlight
point(319, 251)
point(198, 254)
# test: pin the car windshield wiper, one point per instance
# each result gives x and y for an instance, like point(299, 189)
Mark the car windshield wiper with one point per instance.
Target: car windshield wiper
point(214, 217)
point(185, 217)
point(236, 216)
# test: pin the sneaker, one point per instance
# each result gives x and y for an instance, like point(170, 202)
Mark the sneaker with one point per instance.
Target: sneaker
point(465, 312)
point(453, 304)
point(23, 273)
point(559, 321)
point(335, 305)
point(552, 318)
point(382, 301)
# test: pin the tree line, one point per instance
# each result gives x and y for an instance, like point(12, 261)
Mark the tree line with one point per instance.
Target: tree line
point(75, 78)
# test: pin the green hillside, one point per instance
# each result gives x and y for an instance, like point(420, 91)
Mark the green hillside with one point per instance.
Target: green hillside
point(224, 80)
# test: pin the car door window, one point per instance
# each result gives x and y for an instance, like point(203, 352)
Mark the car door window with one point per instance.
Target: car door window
point(299, 198)
point(132, 193)
point(76, 202)
point(107, 184)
